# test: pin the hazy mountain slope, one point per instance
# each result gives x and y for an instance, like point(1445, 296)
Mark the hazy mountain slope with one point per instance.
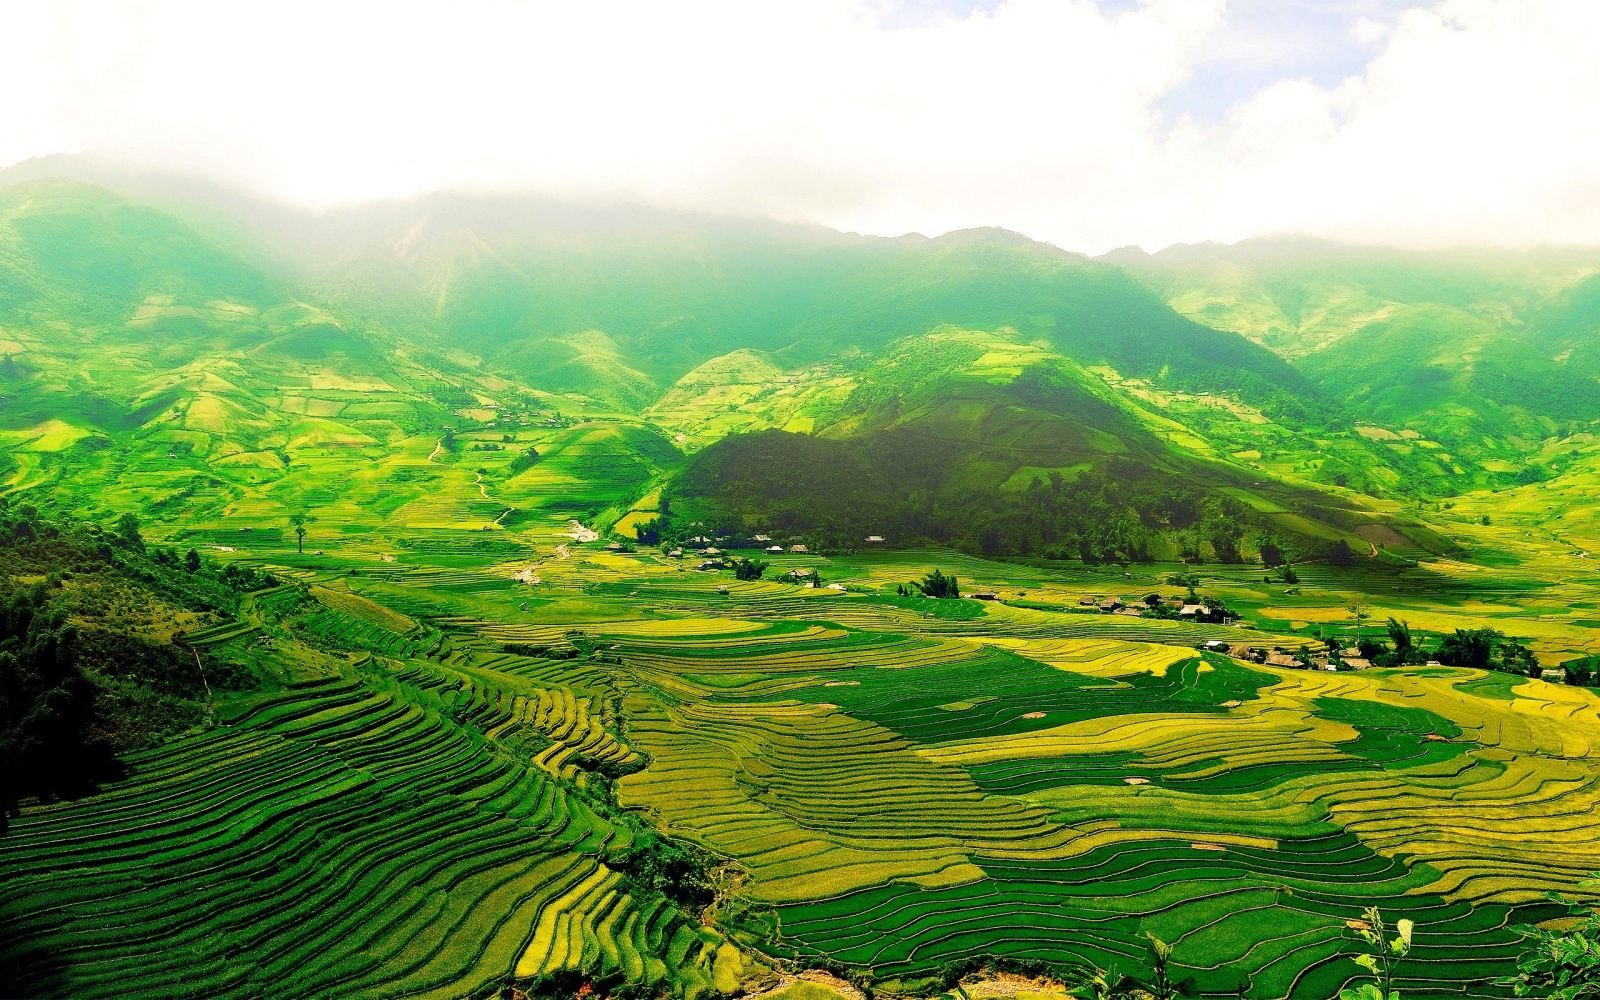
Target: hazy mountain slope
point(1458, 379)
point(511, 280)
point(84, 257)
point(1298, 295)
point(973, 363)
point(1566, 327)
point(1483, 352)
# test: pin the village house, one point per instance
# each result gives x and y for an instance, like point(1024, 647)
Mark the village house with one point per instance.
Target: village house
point(985, 595)
point(874, 539)
point(775, 549)
point(799, 549)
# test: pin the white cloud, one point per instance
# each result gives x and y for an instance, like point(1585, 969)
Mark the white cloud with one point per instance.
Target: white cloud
point(1474, 120)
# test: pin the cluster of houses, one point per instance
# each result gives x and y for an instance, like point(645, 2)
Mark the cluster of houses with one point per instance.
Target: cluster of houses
point(1176, 606)
point(1324, 659)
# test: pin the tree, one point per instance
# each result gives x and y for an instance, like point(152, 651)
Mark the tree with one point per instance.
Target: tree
point(1468, 648)
point(1517, 658)
point(1290, 576)
point(1358, 611)
point(937, 584)
point(1340, 554)
point(1400, 635)
point(748, 569)
point(1225, 543)
point(48, 743)
point(525, 460)
point(1188, 581)
point(127, 529)
point(1581, 672)
point(299, 519)
point(191, 561)
point(1271, 553)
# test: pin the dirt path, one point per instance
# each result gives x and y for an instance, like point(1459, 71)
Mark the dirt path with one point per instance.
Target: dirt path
point(821, 978)
point(438, 446)
point(483, 491)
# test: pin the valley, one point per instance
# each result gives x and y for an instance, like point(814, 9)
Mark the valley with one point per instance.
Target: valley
point(570, 569)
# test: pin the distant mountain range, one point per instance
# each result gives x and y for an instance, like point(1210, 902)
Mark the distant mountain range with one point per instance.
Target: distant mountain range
point(978, 388)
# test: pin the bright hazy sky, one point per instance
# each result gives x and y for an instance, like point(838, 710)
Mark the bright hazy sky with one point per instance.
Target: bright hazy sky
point(1087, 124)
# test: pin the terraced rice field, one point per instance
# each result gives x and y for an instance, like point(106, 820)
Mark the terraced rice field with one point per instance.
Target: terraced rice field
point(888, 784)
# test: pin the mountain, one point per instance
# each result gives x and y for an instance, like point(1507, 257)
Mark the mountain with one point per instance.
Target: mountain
point(1006, 448)
point(238, 354)
point(1482, 353)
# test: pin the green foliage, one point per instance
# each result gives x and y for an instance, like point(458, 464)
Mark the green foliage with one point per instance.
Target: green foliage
point(525, 459)
point(298, 520)
point(47, 747)
point(1384, 952)
point(1271, 553)
point(1561, 964)
point(937, 584)
point(658, 866)
point(1188, 581)
point(749, 569)
point(79, 676)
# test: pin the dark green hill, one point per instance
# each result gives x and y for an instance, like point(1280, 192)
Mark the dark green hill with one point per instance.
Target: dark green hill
point(1050, 462)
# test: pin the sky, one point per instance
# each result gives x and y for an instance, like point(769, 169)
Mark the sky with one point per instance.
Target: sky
point(1090, 124)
